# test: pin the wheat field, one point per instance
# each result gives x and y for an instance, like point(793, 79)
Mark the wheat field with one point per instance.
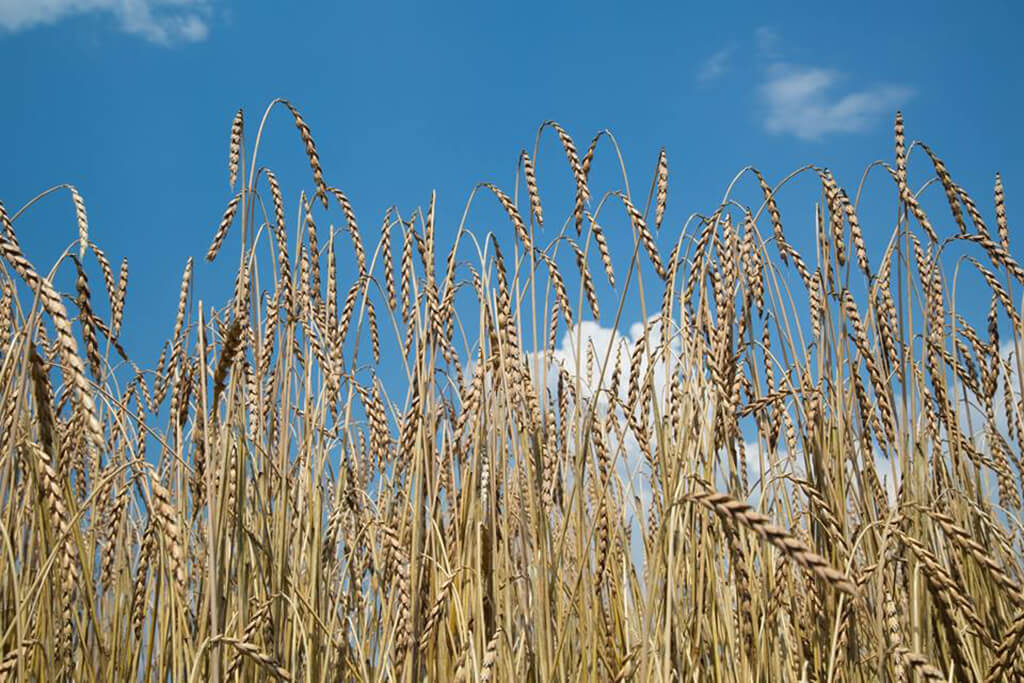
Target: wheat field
point(800, 467)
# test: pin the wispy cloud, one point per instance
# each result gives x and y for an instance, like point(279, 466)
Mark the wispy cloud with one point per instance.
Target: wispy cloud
point(715, 66)
point(164, 22)
point(805, 101)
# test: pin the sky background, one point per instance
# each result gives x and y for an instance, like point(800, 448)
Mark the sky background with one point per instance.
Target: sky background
point(132, 100)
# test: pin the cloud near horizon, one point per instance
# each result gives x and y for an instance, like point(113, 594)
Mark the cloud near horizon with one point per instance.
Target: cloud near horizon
point(163, 22)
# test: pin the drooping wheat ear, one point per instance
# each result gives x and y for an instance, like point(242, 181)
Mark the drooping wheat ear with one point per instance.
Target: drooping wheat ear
point(506, 318)
point(256, 623)
point(388, 259)
point(919, 663)
point(461, 674)
point(352, 227)
point(1006, 482)
point(397, 566)
point(636, 365)
point(146, 547)
point(222, 229)
point(67, 346)
point(913, 205)
point(945, 589)
point(823, 514)
point(42, 392)
point(380, 433)
point(108, 274)
point(900, 176)
point(6, 314)
point(314, 158)
point(645, 235)
point(87, 320)
point(730, 509)
point(889, 321)
point(82, 219)
point(835, 212)
point(252, 392)
point(972, 211)
point(669, 292)
point(53, 494)
point(513, 214)
point(750, 256)
point(878, 379)
point(531, 188)
point(228, 354)
point(436, 612)
point(6, 227)
point(856, 234)
point(167, 518)
point(983, 556)
point(999, 292)
point(160, 382)
point(586, 280)
point(662, 198)
point(234, 148)
point(314, 253)
point(371, 318)
point(582, 192)
point(1001, 227)
point(948, 186)
point(629, 665)
point(800, 265)
point(448, 287)
point(602, 248)
point(120, 294)
point(113, 540)
point(588, 158)
point(348, 310)
point(301, 283)
point(177, 342)
point(998, 256)
point(267, 662)
point(1007, 652)
point(931, 284)
point(280, 233)
point(558, 284)
point(741, 576)
point(284, 278)
point(9, 663)
point(602, 532)
point(490, 655)
point(893, 632)
point(773, 213)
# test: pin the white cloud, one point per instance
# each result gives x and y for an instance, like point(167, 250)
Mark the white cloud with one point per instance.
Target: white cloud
point(809, 102)
point(715, 66)
point(159, 21)
point(802, 101)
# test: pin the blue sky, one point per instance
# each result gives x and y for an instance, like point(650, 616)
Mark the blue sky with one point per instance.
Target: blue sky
point(131, 101)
